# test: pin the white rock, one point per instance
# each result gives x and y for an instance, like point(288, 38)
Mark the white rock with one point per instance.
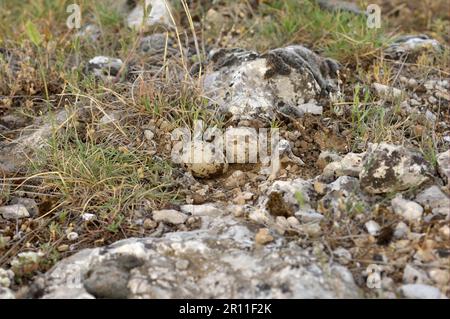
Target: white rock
point(14, 211)
point(350, 165)
point(202, 210)
point(169, 216)
point(412, 275)
point(72, 236)
point(420, 291)
point(105, 67)
point(148, 134)
point(309, 216)
point(373, 228)
point(310, 108)
point(409, 210)
point(88, 217)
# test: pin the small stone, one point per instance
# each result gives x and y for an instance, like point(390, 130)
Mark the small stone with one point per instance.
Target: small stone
point(401, 230)
point(72, 236)
point(420, 291)
point(149, 135)
point(432, 100)
point(412, 275)
point(88, 217)
point(373, 228)
point(434, 198)
point(263, 236)
point(312, 229)
point(350, 165)
point(29, 203)
point(387, 92)
point(412, 83)
point(150, 223)
point(309, 216)
point(237, 179)
point(440, 276)
point(182, 264)
point(16, 211)
point(107, 281)
point(443, 161)
point(169, 216)
point(63, 248)
point(327, 157)
point(343, 255)
point(320, 187)
point(104, 67)
point(409, 210)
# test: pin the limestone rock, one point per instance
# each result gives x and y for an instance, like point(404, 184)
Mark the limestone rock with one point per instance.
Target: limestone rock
point(219, 261)
point(390, 168)
point(248, 85)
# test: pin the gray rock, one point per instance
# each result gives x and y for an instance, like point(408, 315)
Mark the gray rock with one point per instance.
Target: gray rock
point(169, 216)
point(16, 154)
point(435, 199)
point(420, 291)
point(29, 203)
point(337, 5)
point(386, 92)
point(107, 280)
point(14, 212)
point(409, 44)
point(249, 85)
point(104, 67)
point(349, 165)
point(373, 228)
point(343, 255)
point(217, 261)
point(155, 43)
point(443, 160)
point(390, 168)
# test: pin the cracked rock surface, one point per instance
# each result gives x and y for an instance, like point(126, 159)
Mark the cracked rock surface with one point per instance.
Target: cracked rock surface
point(220, 260)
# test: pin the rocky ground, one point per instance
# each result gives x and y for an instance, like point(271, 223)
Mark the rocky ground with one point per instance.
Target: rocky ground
point(94, 204)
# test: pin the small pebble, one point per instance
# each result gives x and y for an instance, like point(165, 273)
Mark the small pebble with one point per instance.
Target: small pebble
point(263, 237)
